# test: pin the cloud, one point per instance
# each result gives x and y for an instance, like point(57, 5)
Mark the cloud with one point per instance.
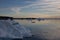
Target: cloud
point(16, 9)
point(46, 6)
point(43, 8)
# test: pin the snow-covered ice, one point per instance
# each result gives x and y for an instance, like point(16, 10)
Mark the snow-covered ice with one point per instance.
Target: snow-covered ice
point(11, 29)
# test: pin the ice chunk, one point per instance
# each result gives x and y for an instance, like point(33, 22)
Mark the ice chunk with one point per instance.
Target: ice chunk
point(12, 29)
point(25, 32)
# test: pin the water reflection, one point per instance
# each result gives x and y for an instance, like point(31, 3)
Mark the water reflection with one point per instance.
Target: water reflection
point(47, 29)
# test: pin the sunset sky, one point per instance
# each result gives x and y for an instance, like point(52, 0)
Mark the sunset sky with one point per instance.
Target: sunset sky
point(30, 8)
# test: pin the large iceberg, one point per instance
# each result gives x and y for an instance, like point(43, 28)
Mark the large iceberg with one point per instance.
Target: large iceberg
point(11, 29)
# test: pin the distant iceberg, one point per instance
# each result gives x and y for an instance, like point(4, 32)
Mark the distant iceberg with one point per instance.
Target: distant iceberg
point(11, 29)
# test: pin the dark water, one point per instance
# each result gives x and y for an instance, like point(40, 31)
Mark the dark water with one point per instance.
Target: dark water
point(42, 30)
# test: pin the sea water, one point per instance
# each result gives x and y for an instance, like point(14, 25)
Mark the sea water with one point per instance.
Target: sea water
point(43, 30)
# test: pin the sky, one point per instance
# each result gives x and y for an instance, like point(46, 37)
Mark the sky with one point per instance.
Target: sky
point(30, 8)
